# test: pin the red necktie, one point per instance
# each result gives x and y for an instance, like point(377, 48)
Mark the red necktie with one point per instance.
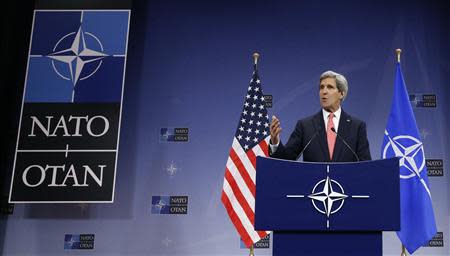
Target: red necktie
point(331, 136)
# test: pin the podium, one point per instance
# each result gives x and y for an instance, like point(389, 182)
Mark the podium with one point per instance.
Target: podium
point(318, 209)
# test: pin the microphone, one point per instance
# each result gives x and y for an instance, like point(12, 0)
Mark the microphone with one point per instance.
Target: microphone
point(346, 144)
point(307, 144)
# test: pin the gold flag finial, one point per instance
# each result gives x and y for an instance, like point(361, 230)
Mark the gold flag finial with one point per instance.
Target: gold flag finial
point(255, 57)
point(398, 51)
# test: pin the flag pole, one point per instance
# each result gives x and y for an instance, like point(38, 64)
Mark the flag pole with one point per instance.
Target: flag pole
point(398, 51)
point(255, 60)
point(403, 251)
point(252, 251)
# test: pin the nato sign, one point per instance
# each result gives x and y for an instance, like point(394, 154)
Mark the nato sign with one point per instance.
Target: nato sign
point(69, 128)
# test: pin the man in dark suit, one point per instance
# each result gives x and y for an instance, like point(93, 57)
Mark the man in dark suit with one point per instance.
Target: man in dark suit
point(327, 131)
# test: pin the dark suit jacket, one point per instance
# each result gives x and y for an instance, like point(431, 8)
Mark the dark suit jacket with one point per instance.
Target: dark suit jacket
point(352, 130)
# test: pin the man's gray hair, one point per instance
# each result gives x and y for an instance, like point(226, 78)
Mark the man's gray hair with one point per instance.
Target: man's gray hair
point(341, 81)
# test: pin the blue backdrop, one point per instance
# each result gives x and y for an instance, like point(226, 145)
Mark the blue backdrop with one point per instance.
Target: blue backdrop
point(189, 64)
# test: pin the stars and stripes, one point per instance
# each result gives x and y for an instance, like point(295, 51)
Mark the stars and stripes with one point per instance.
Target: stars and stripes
point(251, 140)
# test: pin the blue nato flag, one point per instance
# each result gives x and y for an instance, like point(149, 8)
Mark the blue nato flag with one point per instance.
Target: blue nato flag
point(401, 139)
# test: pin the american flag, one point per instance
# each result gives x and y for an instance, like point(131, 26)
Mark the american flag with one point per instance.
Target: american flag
point(250, 140)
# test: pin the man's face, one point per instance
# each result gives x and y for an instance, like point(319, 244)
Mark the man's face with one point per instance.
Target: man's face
point(330, 97)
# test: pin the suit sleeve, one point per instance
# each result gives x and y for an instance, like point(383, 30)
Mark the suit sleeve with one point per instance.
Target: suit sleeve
point(362, 147)
point(293, 147)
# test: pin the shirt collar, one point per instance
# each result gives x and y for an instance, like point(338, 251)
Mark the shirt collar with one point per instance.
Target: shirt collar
point(337, 113)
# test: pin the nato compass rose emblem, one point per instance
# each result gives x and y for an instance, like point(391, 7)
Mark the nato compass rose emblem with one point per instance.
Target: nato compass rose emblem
point(412, 157)
point(327, 193)
point(77, 56)
point(161, 204)
point(71, 242)
point(328, 196)
point(410, 151)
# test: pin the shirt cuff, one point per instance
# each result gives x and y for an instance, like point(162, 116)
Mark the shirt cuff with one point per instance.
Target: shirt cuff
point(273, 148)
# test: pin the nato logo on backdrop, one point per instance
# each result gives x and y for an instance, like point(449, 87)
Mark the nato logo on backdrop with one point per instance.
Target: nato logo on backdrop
point(69, 128)
point(169, 205)
point(419, 100)
point(79, 241)
point(435, 167)
point(268, 101)
point(261, 244)
point(170, 134)
point(436, 241)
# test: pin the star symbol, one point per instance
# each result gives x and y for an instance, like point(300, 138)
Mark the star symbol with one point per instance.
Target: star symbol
point(71, 241)
point(166, 241)
point(172, 169)
point(328, 196)
point(77, 56)
point(415, 101)
point(166, 134)
point(407, 155)
point(160, 205)
point(424, 133)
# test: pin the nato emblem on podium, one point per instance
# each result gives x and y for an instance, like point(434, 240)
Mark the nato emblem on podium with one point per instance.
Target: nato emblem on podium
point(328, 196)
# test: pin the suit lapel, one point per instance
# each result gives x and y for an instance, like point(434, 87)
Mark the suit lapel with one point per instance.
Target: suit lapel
point(343, 130)
point(320, 126)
